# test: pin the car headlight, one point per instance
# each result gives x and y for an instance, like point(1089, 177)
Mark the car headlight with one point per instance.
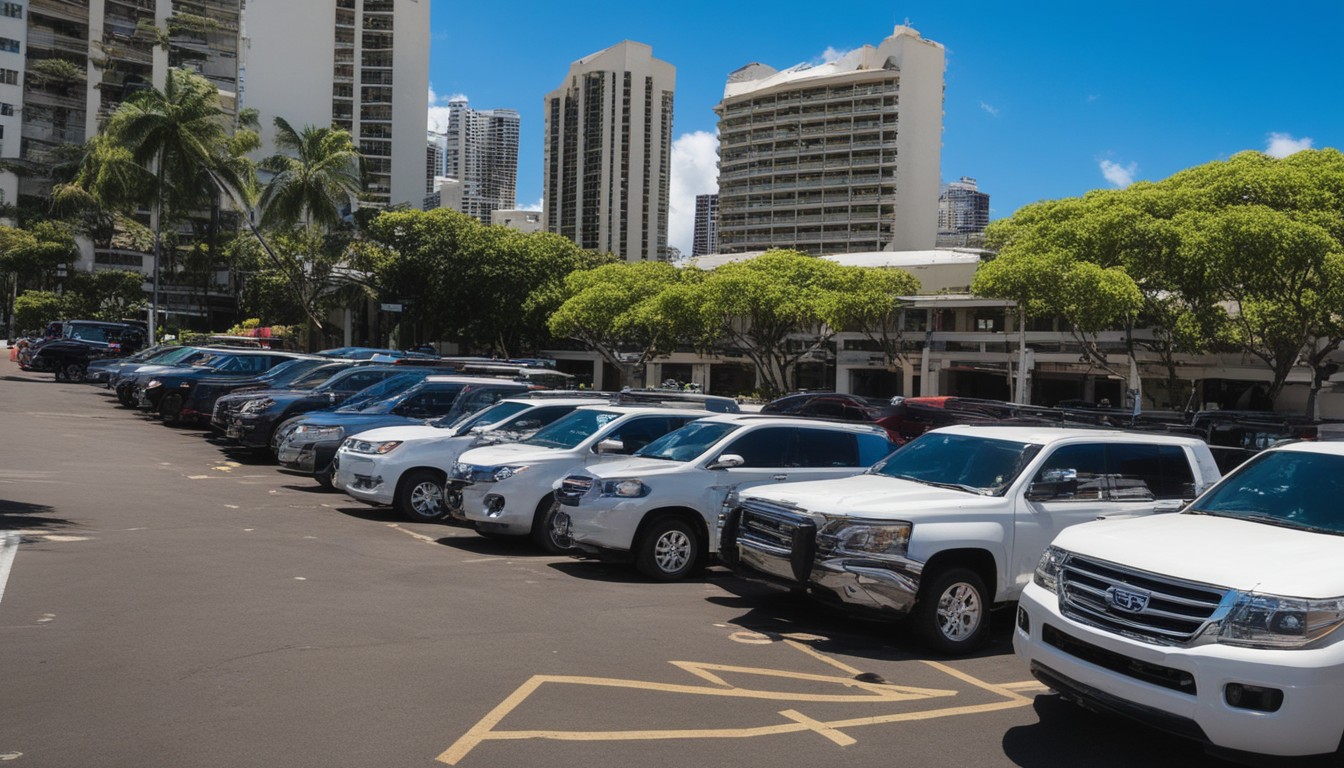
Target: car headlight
point(1047, 570)
point(371, 447)
point(631, 488)
point(506, 471)
point(254, 406)
point(1270, 621)
point(881, 538)
point(153, 383)
point(315, 433)
point(460, 471)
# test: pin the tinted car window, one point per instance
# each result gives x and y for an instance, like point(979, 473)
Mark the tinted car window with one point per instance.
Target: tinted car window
point(873, 448)
point(1088, 460)
point(1151, 471)
point(768, 447)
point(359, 380)
point(572, 429)
point(827, 448)
point(687, 442)
point(639, 432)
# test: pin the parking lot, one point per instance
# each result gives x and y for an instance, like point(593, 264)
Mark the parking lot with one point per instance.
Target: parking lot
point(167, 602)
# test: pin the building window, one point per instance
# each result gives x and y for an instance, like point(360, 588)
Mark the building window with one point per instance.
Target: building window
point(6, 108)
point(9, 76)
point(9, 45)
point(12, 10)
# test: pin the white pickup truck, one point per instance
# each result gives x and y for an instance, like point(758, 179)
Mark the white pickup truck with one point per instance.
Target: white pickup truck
point(1220, 623)
point(955, 521)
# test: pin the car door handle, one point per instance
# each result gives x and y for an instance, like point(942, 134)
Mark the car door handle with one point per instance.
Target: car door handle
point(780, 477)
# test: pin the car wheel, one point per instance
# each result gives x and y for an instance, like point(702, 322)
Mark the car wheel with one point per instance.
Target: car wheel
point(74, 372)
point(669, 550)
point(550, 527)
point(125, 397)
point(170, 408)
point(420, 496)
point(952, 613)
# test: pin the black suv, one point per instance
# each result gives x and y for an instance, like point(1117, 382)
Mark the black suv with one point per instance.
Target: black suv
point(68, 354)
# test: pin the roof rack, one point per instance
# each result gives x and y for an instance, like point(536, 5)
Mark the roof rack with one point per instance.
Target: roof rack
point(715, 403)
point(543, 394)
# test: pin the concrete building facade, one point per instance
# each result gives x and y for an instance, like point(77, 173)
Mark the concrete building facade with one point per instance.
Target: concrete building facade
point(962, 208)
point(834, 158)
point(608, 152)
point(705, 239)
point(358, 64)
point(480, 149)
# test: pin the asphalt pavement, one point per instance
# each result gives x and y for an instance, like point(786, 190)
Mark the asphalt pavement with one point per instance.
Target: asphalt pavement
point(167, 602)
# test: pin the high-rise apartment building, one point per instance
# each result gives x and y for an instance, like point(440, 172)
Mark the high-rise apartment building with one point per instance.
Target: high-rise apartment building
point(608, 152)
point(962, 208)
point(357, 64)
point(436, 145)
point(840, 157)
point(481, 151)
point(706, 234)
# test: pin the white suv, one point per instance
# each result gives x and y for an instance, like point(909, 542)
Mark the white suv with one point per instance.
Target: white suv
point(406, 466)
point(661, 506)
point(1221, 623)
point(509, 489)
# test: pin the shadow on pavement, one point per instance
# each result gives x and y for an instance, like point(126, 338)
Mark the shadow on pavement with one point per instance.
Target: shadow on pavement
point(17, 515)
point(501, 546)
point(776, 612)
point(373, 514)
point(1067, 732)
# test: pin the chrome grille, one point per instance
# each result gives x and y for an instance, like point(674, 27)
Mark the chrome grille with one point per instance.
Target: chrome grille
point(770, 525)
point(1173, 611)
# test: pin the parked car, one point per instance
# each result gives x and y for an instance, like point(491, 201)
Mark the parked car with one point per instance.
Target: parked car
point(954, 522)
point(252, 418)
point(81, 341)
point(166, 392)
point(406, 467)
point(124, 380)
point(834, 405)
point(291, 373)
point(100, 370)
point(1219, 623)
point(311, 444)
point(660, 508)
point(510, 489)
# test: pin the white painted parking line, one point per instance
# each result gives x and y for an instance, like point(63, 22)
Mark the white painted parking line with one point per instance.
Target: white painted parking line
point(9, 547)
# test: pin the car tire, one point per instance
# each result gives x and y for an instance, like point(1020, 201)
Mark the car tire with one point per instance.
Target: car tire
point(544, 534)
point(125, 397)
point(170, 409)
point(951, 615)
point(420, 497)
point(669, 550)
point(70, 372)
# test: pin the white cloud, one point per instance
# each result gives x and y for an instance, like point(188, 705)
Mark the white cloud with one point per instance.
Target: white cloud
point(991, 109)
point(831, 54)
point(1283, 144)
point(694, 171)
point(534, 206)
point(438, 109)
point(1117, 174)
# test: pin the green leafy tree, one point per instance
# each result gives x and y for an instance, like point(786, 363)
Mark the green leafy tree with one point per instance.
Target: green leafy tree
point(615, 309)
point(316, 176)
point(868, 300)
point(112, 294)
point(34, 309)
point(775, 308)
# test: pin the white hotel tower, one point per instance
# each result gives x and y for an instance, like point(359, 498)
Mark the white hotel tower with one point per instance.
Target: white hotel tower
point(357, 64)
point(608, 152)
point(841, 157)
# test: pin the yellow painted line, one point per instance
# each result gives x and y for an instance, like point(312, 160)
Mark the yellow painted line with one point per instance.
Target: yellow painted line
point(1026, 685)
point(413, 534)
point(478, 732)
point(814, 653)
point(977, 682)
point(842, 739)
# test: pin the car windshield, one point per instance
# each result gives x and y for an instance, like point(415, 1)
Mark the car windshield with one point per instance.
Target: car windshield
point(971, 463)
point(287, 370)
point(175, 355)
point(429, 397)
point(686, 443)
point(383, 389)
point(1293, 489)
point(313, 378)
point(484, 417)
point(572, 429)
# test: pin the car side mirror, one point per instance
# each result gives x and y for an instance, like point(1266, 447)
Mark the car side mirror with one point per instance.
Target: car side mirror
point(610, 446)
point(727, 461)
point(1054, 484)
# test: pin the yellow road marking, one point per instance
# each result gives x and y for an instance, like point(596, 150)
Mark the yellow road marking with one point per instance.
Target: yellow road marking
point(719, 686)
point(413, 534)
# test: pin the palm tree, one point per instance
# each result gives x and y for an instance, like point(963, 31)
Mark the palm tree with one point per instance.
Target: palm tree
point(183, 137)
point(316, 177)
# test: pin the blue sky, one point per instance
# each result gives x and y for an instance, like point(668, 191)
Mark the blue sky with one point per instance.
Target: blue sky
point(1044, 100)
